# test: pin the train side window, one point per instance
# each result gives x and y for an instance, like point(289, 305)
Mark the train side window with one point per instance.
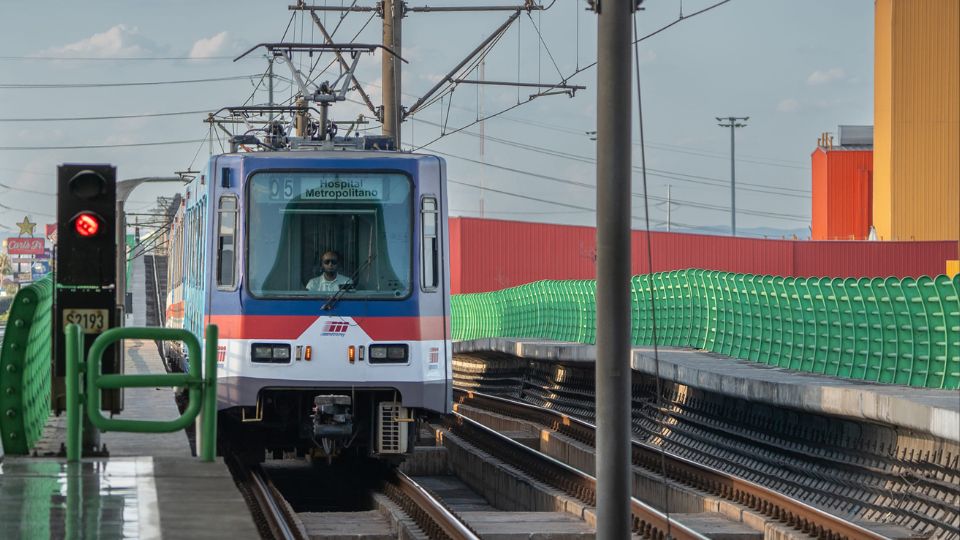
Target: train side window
point(226, 243)
point(430, 244)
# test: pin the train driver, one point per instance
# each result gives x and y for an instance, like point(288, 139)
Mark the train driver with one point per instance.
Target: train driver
point(330, 280)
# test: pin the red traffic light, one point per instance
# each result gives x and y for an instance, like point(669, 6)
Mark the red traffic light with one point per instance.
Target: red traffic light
point(86, 225)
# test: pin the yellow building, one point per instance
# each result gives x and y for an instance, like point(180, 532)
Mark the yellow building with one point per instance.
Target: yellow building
point(916, 157)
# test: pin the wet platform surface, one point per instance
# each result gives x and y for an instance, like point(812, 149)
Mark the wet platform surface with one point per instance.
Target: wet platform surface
point(142, 497)
point(936, 412)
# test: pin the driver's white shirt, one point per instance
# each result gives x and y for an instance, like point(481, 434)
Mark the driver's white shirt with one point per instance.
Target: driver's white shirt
point(322, 284)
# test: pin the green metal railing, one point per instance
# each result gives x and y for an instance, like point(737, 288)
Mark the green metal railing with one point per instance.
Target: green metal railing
point(84, 382)
point(25, 368)
point(901, 331)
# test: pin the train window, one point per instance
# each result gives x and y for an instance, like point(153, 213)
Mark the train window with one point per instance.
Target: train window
point(301, 222)
point(429, 245)
point(226, 242)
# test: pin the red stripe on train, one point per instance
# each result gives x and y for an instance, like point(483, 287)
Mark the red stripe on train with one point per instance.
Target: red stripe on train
point(293, 326)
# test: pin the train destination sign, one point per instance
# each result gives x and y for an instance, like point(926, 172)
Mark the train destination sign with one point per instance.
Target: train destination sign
point(332, 188)
point(342, 189)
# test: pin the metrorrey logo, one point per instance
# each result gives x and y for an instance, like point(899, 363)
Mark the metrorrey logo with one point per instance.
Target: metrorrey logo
point(335, 328)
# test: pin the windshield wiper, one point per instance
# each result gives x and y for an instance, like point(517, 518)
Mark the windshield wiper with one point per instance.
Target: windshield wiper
point(344, 287)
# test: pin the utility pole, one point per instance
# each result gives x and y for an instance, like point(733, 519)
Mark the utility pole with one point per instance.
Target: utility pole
point(390, 68)
point(483, 168)
point(733, 122)
point(669, 207)
point(270, 84)
point(614, 121)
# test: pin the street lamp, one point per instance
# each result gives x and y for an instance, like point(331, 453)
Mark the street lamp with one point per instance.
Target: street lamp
point(733, 122)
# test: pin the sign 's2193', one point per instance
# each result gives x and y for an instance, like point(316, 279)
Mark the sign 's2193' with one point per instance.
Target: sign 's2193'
point(92, 321)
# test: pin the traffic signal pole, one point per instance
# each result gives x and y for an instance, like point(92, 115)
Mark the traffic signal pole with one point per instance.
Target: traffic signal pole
point(86, 276)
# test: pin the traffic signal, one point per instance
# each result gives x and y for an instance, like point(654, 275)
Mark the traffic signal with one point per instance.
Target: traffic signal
point(86, 271)
point(86, 225)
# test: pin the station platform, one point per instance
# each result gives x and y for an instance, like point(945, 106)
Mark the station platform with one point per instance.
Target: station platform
point(150, 486)
point(936, 412)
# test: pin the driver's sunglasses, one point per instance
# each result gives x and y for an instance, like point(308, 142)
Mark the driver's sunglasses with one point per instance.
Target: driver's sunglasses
point(330, 261)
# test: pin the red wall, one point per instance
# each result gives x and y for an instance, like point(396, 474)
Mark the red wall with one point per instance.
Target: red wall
point(489, 254)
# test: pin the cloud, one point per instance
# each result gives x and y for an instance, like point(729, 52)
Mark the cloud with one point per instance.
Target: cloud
point(207, 47)
point(788, 105)
point(826, 76)
point(117, 42)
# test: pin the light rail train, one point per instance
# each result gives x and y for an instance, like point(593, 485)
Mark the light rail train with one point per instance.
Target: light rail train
point(325, 267)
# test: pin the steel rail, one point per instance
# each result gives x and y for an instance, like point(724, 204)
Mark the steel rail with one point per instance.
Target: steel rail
point(647, 520)
point(275, 513)
point(782, 507)
point(448, 523)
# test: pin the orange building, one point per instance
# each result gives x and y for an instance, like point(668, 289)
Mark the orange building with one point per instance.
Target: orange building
point(843, 185)
point(916, 161)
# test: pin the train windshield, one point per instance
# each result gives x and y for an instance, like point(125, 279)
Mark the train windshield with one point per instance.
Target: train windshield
point(314, 233)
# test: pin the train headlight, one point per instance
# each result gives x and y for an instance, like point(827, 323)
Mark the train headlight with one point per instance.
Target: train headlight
point(270, 353)
point(389, 354)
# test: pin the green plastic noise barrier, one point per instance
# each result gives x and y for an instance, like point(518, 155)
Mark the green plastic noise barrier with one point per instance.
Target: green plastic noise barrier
point(25, 368)
point(898, 331)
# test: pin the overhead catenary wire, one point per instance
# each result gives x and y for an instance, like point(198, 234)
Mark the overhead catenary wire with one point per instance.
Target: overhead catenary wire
point(575, 73)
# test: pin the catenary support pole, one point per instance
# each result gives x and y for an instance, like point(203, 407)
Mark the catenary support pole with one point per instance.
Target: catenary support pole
point(613, 268)
point(390, 68)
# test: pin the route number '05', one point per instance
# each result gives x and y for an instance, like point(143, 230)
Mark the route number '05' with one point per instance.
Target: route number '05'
point(282, 188)
point(92, 321)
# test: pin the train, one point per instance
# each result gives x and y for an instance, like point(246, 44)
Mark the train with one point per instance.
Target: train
point(326, 271)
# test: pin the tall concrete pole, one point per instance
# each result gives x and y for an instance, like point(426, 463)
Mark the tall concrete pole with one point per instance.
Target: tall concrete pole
point(390, 68)
point(614, 120)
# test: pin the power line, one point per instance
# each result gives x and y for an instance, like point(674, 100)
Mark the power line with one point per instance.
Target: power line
point(672, 175)
point(114, 117)
point(693, 204)
point(78, 147)
point(25, 190)
point(43, 86)
point(114, 58)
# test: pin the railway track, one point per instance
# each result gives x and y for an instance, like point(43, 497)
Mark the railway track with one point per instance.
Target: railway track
point(647, 521)
point(863, 471)
point(791, 512)
point(276, 518)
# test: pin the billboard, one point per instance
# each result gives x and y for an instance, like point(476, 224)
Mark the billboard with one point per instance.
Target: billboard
point(25, 246)
point(39, 269)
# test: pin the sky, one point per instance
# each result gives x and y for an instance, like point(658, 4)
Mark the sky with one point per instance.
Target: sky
point(796, 69)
